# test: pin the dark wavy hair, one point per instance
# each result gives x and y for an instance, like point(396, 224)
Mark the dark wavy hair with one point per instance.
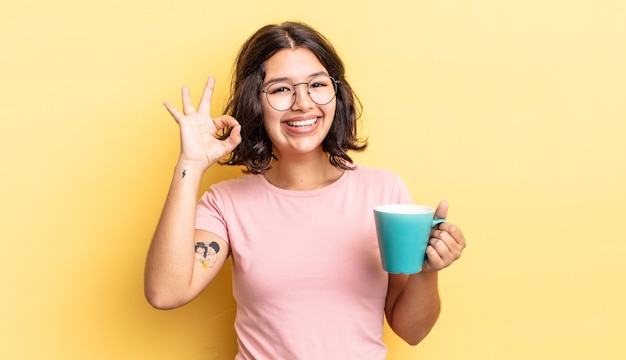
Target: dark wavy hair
point(255, 149)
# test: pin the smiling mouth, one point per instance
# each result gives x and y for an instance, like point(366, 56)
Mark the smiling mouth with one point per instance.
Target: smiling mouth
point(302, 123)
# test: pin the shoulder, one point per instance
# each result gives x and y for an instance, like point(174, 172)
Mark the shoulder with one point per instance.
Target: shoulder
point(373, 174)
point(388, 185)
point(238, 183)
point(225, 191)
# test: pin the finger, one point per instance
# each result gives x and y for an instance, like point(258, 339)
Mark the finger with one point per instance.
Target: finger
point(440, 255)
point(173, 111)
point(447, 246)
point(455, 232)
point(207, 94)
point(442, 249)
point(188, 107)
point(234, 138)
point(437, 235)
point(433, 261)
point(442, 210)
point(225, 121)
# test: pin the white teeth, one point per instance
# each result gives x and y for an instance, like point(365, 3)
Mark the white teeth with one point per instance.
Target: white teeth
point(302, 122)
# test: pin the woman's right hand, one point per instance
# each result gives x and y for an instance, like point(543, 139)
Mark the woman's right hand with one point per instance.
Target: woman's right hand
point(198, 131)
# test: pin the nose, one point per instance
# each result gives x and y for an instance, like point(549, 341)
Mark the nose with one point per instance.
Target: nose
point(303, 100)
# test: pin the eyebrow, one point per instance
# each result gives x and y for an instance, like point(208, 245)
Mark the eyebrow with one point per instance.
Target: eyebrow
point(286, 79)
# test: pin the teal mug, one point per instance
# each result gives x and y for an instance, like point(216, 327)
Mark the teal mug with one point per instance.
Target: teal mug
point(403, 233)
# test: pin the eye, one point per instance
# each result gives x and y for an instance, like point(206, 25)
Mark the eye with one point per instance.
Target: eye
point(281, 88)
point(320, 82)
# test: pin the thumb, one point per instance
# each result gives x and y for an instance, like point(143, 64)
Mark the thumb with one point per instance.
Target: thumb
point(234, 138)
point(234, 134)
point(442, 210)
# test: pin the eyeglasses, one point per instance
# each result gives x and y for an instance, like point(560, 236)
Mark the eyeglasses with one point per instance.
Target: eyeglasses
point(282, 95)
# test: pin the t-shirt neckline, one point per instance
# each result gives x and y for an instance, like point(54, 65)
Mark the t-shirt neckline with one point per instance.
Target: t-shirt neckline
point(303, 193)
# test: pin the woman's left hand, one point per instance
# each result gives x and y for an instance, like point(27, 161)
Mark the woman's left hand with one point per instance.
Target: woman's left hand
point(446, 243)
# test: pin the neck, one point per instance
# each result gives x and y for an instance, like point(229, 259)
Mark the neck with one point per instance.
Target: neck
point(310, 174)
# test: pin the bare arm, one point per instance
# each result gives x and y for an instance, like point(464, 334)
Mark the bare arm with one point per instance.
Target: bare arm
point(413, 304)
point(182, 261)
point(175, 274)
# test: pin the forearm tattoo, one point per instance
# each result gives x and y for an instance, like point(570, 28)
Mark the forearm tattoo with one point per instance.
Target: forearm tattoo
point(206, 254)
point(184, 173)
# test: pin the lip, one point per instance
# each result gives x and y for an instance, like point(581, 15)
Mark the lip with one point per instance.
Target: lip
point(302, 124)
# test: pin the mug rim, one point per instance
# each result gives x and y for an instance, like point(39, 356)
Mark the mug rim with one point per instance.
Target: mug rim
point(406, 209)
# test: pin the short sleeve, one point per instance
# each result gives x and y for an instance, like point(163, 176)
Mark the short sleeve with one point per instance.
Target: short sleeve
point(209, 214)
point(400, 193)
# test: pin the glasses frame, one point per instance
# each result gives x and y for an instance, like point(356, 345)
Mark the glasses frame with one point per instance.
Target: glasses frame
point(295, 93)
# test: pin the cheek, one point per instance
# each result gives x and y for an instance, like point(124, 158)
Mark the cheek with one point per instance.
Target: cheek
point(330, 110)
point(268, 130)
point(271, 122)
point(268, 112)
point(271, 117)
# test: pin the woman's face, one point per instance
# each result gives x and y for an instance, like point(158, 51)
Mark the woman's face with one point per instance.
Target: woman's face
point(300, 129)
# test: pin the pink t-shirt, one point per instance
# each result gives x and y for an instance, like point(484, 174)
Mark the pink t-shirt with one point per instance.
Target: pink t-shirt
point(307, 275)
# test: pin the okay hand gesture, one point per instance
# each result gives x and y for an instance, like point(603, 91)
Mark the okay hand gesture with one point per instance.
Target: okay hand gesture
point(198, 131)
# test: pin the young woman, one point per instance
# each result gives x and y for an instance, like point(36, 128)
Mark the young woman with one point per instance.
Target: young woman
point(307, 275)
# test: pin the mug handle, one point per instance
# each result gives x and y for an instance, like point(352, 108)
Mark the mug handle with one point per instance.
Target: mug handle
point(437, 222)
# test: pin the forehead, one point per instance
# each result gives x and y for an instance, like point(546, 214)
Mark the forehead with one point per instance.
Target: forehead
point(293, 65)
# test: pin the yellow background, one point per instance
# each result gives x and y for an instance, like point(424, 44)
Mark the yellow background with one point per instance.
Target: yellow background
point(514, 111)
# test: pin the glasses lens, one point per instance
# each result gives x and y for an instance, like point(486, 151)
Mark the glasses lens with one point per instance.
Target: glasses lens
point(280, 95)
point(322, 89)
